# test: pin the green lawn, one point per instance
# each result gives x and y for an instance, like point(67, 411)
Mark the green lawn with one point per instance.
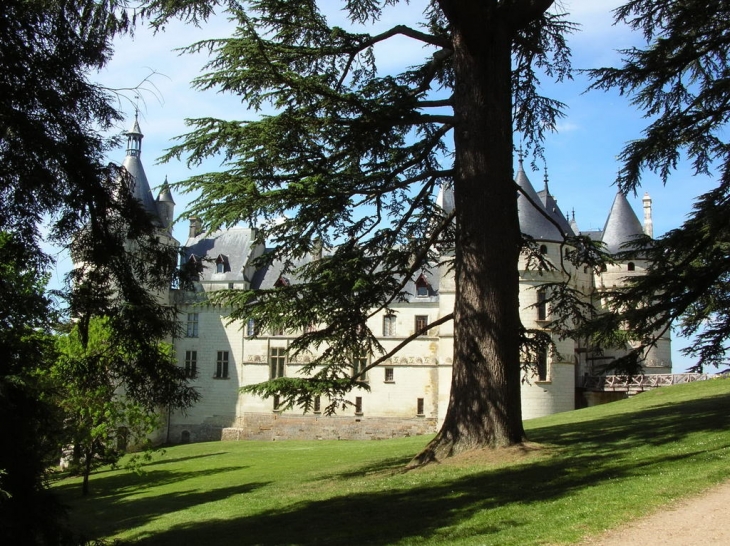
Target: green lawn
point(594, 469)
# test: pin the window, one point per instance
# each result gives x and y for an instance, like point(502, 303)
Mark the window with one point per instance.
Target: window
point(230, 286)
point(191, 363)
point(221, 365)
point(421, 286)
point(251, 328)
point(389, 325)
point(310, 328)
point(542, 308)
point(631, 266)
point(221, 264)
point(389, 375)
point(421, 323)
point(542, 364)
point(543, 249)
point(277, 330)
point(359, 365)
point(419, 406)
point(358, 405)
point(193, 268)
point(277, 362)
point(192, 326)
point(317, 404)
point(604, 268)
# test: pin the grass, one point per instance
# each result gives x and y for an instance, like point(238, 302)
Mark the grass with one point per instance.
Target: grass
point(585, 471)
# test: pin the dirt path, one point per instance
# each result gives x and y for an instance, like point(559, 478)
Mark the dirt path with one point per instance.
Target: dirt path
point(702, 520)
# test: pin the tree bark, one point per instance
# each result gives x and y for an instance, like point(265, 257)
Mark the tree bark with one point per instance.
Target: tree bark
point(484, 406)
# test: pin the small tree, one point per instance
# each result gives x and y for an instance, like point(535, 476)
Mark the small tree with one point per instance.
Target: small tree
point(101, 421)
point(680, 80)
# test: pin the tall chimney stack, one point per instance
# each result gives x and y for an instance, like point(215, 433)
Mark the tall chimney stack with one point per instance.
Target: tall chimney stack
point(648, 223)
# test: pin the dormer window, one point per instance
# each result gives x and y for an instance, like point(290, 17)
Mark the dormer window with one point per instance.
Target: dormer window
point(422, 286)
point(194, 267)
point(282, 282)
point(221, 264)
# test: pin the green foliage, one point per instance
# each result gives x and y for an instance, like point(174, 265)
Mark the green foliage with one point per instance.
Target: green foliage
point(350, 160)
point(101, 420)
point(54, 180)
point(28, 514)
point(680, 80)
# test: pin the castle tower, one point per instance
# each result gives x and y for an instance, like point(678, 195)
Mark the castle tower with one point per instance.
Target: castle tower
point(166, 206)
point(622, 228)
point(622, 225)
point(140, 186)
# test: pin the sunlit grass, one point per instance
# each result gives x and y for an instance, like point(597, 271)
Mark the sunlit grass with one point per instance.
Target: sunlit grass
point(589, 470)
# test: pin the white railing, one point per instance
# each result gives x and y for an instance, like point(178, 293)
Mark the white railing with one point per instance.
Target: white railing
point(637, 383)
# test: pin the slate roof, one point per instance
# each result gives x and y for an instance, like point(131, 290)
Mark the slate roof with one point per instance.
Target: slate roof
point(551, 206)
point(532, 221)
point(133, 164)
point(232, 247)
point(622, 225)
point(267, 278)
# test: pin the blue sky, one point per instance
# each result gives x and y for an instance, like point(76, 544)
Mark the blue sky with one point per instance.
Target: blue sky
point(581, 156)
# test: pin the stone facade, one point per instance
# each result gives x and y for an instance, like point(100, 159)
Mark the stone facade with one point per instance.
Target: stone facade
point(408, 394)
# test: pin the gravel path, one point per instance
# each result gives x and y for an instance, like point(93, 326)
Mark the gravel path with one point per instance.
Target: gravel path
point(702, 520)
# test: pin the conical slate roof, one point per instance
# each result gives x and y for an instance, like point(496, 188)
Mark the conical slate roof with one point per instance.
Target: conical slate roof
point(133, 164)
point(622, 225)
point(165, 195)
point(552, 208)
point(532, 216)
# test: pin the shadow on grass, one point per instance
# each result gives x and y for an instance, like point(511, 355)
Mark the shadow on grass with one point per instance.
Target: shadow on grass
point(156, 460)
point(393, 464)
point(140, 511)
point(591, 452)
point(113, 486)
point(476, 503)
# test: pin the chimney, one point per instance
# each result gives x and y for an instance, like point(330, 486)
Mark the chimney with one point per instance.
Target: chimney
point(317, 247)
point(648, 224)
point(196, 227)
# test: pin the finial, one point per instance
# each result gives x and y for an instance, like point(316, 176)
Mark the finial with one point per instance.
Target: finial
point(547, 190)
point(520, 155)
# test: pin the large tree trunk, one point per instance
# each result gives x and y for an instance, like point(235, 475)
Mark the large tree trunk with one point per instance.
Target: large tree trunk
point(484, 406)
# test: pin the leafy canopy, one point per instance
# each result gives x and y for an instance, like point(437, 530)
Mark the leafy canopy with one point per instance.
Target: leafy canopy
point(681, 80)
point(350, 160)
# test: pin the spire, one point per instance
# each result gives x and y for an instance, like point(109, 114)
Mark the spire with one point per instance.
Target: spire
point(165, 193)
point(134, 138)
point(531, 211)
point(573, 223)
point(622, 225)
point(547, 190)
point(166, 205)
point(133, 164)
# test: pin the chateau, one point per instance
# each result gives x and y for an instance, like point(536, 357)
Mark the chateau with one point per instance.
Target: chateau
point(409, 393)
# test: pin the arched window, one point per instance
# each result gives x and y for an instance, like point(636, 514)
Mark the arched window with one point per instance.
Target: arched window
point(543, 249)
point(631, 266)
